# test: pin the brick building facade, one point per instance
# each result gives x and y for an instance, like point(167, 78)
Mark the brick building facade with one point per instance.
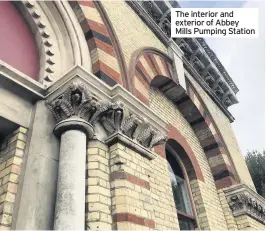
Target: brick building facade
point(108, 123)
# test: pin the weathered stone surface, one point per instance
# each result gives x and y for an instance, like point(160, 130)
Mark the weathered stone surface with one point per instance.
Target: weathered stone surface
point(70, 200)
point(242, 200)
point(78, 103)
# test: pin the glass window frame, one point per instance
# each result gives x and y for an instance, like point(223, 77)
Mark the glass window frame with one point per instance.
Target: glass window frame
point(183, 215)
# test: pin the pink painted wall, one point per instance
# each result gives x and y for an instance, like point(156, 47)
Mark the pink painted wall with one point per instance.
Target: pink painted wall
point(17, 43)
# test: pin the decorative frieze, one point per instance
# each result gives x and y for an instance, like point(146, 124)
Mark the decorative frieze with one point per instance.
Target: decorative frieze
point(242, 200)
point(116, 119)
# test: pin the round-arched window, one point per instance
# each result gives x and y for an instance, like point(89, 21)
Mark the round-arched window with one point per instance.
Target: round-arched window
point(180, 188)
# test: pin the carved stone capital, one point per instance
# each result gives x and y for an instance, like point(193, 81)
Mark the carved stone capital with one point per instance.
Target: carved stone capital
point(77, 107)
point(242, 200)
point(125, 126)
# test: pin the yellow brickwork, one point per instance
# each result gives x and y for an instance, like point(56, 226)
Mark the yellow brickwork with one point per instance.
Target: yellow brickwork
point(128, 197)
point(11, 159)
point(98, 196)
point(225, 128)
point(209, 210)
point(245, 222)
point(132, 33)
point(163, 201)
point(255, 225)
point(230, 220)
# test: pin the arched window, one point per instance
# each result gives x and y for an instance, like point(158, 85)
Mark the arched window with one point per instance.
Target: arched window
point(180, 188)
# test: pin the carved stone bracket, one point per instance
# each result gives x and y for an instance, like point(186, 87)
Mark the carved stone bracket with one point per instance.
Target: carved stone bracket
point(242, 200)
point(134, 131)
point(116, 119)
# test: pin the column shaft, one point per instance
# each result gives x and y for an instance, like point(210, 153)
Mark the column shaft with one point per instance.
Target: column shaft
point(70, 201)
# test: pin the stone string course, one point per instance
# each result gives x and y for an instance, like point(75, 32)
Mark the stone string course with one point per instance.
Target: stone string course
point(11, 160)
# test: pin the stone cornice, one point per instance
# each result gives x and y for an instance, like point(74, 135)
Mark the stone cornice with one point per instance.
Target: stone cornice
point(219, 65)
point(190, 71)
point(32, 91)
point(26, 87)
point(244, 201)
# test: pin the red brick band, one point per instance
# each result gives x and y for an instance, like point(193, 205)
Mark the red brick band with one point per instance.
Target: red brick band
point(131, 178)
point(148, 65)
point(128, 217)
point(188, 156)
point(225, 182)
point(99, 42)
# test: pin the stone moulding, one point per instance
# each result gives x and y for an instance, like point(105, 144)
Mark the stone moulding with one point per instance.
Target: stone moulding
point(244, 201)
point(31, 91)
point(118, 121)
point(121, 138)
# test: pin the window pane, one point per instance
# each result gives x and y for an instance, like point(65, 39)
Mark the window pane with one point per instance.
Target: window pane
point(180, 192)
point(185, 224)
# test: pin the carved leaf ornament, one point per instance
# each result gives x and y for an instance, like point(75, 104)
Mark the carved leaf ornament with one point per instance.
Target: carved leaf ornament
point(77, 101)
point(243, 202)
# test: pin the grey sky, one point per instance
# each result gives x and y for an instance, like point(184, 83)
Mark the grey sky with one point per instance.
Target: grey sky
point(244, 59)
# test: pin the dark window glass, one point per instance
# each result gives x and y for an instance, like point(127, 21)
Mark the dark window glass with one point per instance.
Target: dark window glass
point(180, 194)
point(185, 223)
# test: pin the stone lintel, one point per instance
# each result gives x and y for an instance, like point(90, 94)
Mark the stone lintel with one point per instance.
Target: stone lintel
point(244, 201)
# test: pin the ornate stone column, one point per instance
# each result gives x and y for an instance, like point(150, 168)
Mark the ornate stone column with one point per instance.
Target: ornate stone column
point(77, 111)
point(72, 111)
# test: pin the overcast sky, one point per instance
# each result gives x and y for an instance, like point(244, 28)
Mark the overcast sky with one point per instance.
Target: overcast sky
point(244, 59)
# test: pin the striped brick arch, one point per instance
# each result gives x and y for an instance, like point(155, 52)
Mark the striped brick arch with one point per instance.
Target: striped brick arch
point(147, 65)
point(199, 118)
point(154, 69)
point(104, 59)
